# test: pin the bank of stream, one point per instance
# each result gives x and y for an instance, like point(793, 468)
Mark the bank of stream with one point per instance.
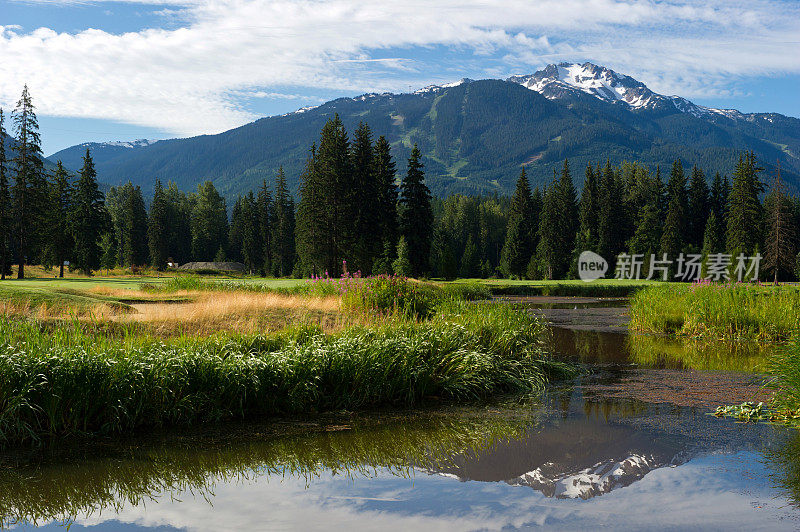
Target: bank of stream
point(629, 444)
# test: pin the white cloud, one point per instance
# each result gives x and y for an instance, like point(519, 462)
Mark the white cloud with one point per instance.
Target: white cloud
point(191, 80)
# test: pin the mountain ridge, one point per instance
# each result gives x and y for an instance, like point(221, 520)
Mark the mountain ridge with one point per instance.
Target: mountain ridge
point(474, 135)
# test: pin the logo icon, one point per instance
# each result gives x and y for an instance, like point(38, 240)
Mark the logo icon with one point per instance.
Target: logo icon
point(591, 266)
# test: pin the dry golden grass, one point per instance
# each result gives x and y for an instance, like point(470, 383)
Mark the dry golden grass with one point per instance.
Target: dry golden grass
point(242, 312)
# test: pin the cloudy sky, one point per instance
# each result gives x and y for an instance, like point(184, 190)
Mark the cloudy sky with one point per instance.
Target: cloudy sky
point(119, 70)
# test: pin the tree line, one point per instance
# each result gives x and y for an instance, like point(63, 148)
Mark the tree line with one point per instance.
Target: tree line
point(355, 214)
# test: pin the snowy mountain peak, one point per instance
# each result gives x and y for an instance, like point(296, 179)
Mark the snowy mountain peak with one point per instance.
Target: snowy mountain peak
point(556, 81)
point(562, 80)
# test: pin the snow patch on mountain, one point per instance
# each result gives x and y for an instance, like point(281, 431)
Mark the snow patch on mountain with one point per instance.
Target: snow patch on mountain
point(138, 143)
point(434, 88)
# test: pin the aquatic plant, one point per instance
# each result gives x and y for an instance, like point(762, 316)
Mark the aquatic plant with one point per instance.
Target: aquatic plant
point(82, 382)
point(713, 310)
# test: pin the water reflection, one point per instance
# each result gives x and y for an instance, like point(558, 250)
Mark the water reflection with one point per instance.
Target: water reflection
point(506, 465)
point(602, 347)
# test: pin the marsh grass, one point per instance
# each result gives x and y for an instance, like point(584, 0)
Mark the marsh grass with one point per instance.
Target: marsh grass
point(73, 380)
point(730, 311)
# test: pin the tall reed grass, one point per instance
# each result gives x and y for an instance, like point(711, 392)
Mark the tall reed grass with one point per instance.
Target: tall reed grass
point(729, 311)
point(71, 381)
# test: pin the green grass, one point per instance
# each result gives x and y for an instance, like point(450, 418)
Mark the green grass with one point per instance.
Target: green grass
point(733, 311)
point(572, 287)
point(71, 381)
point(56, 299)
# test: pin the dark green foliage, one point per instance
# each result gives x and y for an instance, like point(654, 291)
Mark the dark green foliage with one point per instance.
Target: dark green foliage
point(589, 213)
point(384, 175)
point(89, 218)
point(309, 231)
point(209, 221)
point(6, 219)
point(158, 228)
point(135, 250)
point(267, 224)
point(714, 237)
point(416, 215)
point(612, 216)
point(781, 233)
point(674, 237)
point(745, 213)
point(60, 242)
point(518, 247)
point(367, 200)
point(699, 204)
point(29, 193)
point(283, 244)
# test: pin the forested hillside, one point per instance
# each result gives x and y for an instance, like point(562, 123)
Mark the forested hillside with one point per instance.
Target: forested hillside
point(474, 137)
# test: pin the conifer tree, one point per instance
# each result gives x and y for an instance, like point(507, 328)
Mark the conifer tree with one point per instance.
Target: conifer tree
point(673, 238)
point(252, 244)
point(518, 247)
point(713, 241)
point(89, 218)
point(567, 221)
point(698, 206)
point(209, 221)
point(368, 240)
point(135, 250)
point(536, 212)
point(5, 202)
point(267, 223)
point(335, 173)
point(283, 245)
point(158, 227)
point(547, 249)
point(387, 197)
point(470, 260)
point(180, 231)
point(780, 246)
point(589, 213)
point(309, 229)
point(611, 234)
point(416, 215)
point(29, 190)
point(745, 212)
point(60, 242)
point(720, 188)
point(236, 231)
point(402, 264)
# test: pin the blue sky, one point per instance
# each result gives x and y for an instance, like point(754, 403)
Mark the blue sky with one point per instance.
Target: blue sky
point(119, 70)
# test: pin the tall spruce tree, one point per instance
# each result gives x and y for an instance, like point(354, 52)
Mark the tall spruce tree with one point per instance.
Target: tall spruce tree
point(416, 214)
point(745, 212)
point(673, 239)
point(781, 246)
point(567, 222)
point(368, 241)
point(158, 228)
point(611, 220)
point(309, 229)
point(699, 204)
point(135, 251)
point(60, 242)
point(180, 230)
point(547, 248)
point(283, 244)
point(266, 207)
point(385, 176)
point(236, 230)
point(89, 218)
point(209, 222)
point(518, 247)
point(252, 236)
point(5, 202)
point(29, 190)
point(589, 213)
point(333, 166)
